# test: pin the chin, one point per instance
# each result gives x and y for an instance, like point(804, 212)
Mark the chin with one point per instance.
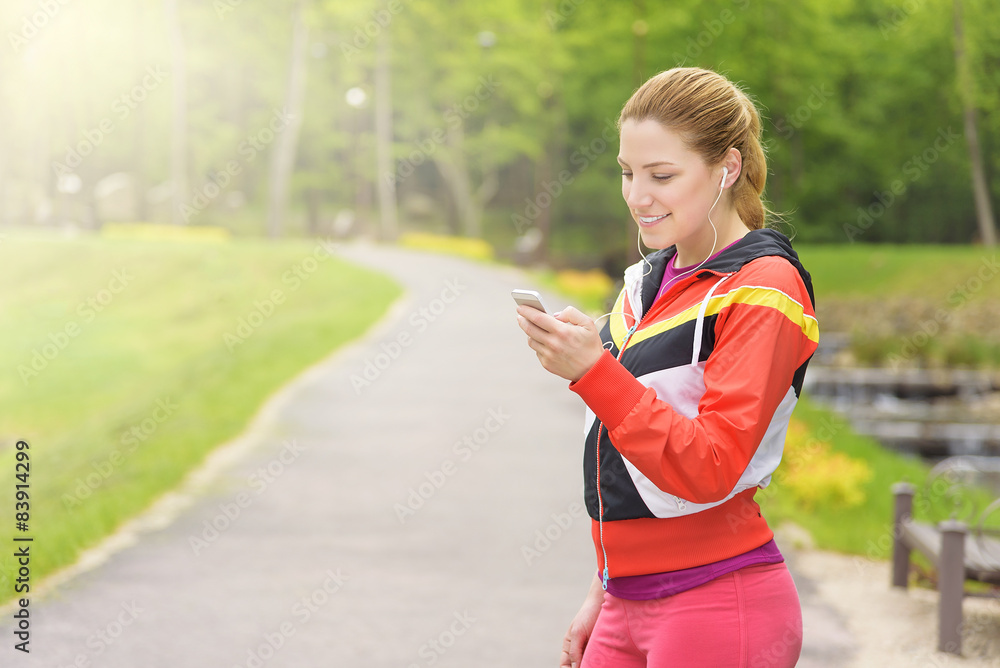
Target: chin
point(654, 241)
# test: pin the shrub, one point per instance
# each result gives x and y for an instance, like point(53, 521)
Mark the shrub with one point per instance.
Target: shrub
point(476, 249)
point(587, 286)
point(815, 475)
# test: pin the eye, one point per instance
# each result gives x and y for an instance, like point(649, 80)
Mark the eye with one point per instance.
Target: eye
point(663, 177)
point(627, 175)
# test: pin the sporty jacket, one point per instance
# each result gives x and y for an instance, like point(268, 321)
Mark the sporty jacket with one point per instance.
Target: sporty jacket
point(687, 410)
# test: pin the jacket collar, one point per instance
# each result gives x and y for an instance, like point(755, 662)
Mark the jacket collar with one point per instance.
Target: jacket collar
point(755, 244)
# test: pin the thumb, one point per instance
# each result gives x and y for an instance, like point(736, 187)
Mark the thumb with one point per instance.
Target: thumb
point(574, 317)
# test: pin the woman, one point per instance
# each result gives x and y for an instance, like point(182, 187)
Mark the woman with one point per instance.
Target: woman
point(689, 389)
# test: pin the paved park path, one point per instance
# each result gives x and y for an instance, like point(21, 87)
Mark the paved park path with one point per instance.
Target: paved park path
point(414, 500)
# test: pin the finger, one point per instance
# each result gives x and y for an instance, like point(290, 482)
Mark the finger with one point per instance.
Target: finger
point(528, 328)
point(574, 316)
point(538, 318)
point(534, 331)
point(541, 352)
point(576, 645)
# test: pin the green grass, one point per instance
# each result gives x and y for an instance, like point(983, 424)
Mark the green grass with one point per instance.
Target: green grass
point(862, 273)
point(861, 529)
point(929, 306)
point(161, 338)
point(866, 528)
point(870, 271)
point(877, 271)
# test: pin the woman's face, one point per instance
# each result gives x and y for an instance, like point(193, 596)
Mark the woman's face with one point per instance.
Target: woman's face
point(668, 188)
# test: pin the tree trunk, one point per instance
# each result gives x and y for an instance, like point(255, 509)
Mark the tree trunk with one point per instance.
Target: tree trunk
point(453, 166)
point(388, 225)
point(283, 158)
point(139, 182)
point(313, 197)
point(455, 173)
point(639, 30)
point(544, 221)
point(980, 187)
point(178, 133)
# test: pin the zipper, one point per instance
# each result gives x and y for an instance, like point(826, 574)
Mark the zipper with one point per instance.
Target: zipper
point(621, 351)
point(600, 425)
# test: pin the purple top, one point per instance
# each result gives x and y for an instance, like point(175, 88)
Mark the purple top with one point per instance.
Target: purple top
point(672, 273)
point(659, 585)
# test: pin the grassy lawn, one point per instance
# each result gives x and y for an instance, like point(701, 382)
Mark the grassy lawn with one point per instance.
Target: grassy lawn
point(878, 271)
point(910, 306)
point(128, 361)
point(903, 291)
point(836, 484)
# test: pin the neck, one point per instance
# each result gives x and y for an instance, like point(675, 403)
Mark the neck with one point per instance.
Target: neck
point(694, 251)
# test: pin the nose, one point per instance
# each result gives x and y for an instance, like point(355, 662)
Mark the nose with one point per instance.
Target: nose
point(635, 195)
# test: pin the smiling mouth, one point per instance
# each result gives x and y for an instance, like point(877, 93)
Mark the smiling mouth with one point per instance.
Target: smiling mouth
point(652, 220)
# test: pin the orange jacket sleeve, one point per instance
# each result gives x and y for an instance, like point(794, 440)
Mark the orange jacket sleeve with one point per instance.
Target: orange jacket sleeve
point(765, 330)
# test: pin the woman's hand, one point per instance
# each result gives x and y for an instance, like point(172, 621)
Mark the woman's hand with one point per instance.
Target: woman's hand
point(582, 627)
point(567, 344)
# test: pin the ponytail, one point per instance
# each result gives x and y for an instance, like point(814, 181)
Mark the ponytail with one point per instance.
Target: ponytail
point(712, 115)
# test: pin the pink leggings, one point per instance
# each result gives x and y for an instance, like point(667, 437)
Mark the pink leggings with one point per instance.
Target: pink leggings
point(749, 618)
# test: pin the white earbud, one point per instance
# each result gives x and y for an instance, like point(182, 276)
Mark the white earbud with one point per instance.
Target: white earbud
point(725, 173)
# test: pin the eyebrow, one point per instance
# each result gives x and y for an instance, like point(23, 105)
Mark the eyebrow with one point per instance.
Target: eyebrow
point(652, 164)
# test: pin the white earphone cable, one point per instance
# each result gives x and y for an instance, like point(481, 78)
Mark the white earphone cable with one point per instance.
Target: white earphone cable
point(610, 344)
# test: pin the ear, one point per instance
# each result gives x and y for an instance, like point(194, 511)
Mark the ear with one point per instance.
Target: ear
point(733, 162)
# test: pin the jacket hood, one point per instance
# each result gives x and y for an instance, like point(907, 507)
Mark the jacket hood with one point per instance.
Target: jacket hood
point(755, 244)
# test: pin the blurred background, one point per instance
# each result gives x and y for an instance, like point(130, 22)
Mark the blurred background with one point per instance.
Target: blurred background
point(176, 176)
point(288, 118)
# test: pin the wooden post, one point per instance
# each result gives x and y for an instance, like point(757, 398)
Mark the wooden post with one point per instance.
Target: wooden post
point(902, 493)
point(951, 576)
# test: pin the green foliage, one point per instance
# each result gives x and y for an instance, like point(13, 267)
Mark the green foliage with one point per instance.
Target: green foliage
point(814, 475)
point(589, 291)
point(185, 345)
point(852, 515)
point(475, 249)
point(493, 103)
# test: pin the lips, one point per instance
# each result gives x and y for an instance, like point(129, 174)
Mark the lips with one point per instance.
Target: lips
point(648, 221)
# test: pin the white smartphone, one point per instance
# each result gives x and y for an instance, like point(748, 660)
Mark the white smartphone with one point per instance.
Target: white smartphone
point(528, 298)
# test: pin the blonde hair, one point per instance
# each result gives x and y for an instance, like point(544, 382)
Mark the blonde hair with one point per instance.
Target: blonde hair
point(712, 115)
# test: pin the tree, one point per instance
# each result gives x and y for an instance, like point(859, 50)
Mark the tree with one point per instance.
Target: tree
point(179, 126)
point(980, 187)
point(283, 157)
point(383, 139)
point(471, 95)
